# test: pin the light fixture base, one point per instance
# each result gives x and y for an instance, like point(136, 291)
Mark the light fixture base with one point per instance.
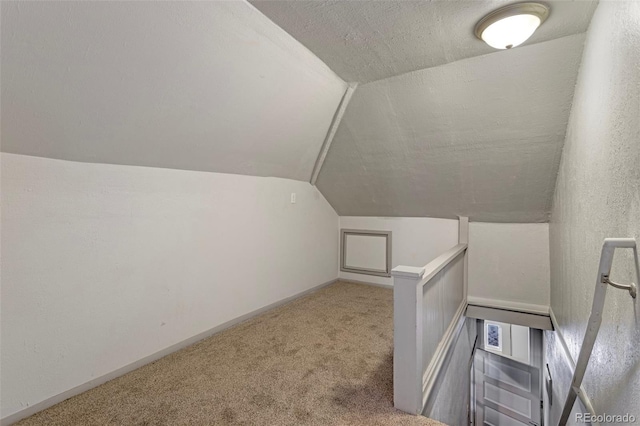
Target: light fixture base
point(540, 10)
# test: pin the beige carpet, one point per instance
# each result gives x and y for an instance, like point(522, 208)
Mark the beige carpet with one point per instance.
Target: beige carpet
point(325, 359)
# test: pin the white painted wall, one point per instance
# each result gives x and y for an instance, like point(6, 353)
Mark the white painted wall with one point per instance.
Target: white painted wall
point(520, 342)
point(509, 264)
point(105, 264)
point(366, 251)
point(415, 240)
point(598, 196)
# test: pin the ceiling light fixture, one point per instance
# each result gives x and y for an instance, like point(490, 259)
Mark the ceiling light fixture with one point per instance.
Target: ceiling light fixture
point(511, 25)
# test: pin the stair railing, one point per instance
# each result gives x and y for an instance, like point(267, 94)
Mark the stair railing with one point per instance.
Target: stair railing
point(595, 319)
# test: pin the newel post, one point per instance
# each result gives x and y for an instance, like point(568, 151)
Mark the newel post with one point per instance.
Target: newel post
point(407, 338)
point(463, 238)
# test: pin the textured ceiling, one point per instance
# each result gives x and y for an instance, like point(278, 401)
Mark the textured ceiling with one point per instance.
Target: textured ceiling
point(364, 41)
point(216, 86)
point(480, 137)
point(211, 86)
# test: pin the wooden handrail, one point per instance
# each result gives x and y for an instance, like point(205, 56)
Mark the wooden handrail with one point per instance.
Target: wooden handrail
point(440, 262)
point(414, 376)
point(595, 319)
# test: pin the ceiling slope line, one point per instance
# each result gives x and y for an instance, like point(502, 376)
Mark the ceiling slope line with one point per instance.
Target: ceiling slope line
point(335, 123)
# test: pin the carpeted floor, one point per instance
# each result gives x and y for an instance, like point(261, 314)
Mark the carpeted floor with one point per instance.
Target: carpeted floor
point(325, 359)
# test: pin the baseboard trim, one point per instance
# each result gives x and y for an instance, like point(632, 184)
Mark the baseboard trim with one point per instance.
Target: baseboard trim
point(584, 398)
point(49, 402)
point(508, 305)
point(542, 322)
point(347, 280)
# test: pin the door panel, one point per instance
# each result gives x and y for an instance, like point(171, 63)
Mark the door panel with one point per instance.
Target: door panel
point(496, 368)
point(508, 400)
point(507, 391)
point(495, 418)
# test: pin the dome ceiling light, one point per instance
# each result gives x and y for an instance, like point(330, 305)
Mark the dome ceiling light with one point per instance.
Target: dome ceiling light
point(511, 25)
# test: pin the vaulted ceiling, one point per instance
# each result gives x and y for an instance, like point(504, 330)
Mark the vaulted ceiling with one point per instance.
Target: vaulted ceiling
point(211, 86)
point(440, 124)
point(364, 41)
point(480, 137)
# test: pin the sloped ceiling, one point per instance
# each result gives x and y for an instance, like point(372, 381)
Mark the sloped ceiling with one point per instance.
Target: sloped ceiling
point(441, 124)
point(365, 41)
point(217, 86)
point(212, 86)
point(480, 137)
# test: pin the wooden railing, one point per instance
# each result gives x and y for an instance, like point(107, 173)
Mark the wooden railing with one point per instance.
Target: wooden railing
point(429, 304)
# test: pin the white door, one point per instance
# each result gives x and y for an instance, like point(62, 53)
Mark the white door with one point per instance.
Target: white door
point(507, 392)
